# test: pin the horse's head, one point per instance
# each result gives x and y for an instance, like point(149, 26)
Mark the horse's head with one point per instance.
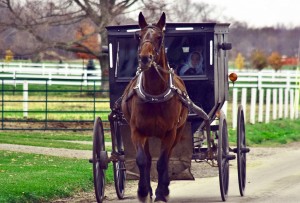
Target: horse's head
point(151, 41)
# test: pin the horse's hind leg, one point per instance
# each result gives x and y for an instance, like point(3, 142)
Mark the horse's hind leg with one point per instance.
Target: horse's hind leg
point(143, 161)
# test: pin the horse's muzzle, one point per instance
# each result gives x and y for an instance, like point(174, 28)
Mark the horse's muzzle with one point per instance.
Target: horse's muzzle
point(145, 61)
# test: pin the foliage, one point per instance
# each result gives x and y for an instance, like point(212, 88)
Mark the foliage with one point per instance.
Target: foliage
point(259, 59)
point(9, 55)
point(86, 37)
point(274, 61)
point(239, 61)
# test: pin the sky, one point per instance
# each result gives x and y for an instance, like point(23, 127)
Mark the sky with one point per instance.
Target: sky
point(259, 13)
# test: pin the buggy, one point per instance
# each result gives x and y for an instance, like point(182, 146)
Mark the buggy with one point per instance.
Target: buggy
point(207, 90)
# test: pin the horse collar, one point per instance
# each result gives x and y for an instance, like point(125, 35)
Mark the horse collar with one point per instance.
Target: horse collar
point(165, 96)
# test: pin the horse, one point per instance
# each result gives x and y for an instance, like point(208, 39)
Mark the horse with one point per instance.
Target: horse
point(152, 106)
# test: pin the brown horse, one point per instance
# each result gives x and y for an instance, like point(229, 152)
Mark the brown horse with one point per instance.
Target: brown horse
point(152, 106)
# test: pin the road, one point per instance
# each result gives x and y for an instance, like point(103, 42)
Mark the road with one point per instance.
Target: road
point(273, 175)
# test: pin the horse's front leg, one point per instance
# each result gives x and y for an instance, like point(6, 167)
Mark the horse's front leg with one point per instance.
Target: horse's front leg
point(162, 190)
point(148, 168)
point(143, 161)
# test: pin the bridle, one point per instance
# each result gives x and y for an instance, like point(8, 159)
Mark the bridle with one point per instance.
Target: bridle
point(156, 50)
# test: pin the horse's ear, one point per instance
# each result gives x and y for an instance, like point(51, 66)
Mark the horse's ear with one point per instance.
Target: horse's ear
point(162, 21)
point(142, 21)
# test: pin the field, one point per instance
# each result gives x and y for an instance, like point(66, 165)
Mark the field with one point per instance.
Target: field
point(26, 177)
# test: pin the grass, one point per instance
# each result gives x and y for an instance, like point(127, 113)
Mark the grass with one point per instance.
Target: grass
point(50, 139)
point(23, 176)
point(39, 178)
point(272, 134)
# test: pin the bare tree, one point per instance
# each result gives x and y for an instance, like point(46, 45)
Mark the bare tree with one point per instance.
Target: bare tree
point(188, 11)
point(40, 18)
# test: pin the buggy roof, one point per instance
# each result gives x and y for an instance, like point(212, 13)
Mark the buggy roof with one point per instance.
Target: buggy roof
point(187, 27)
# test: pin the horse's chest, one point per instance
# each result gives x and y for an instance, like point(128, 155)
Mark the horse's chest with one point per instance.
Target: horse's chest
point(156, 116)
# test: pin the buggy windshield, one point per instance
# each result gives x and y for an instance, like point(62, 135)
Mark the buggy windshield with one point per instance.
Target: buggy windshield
point(186, 55)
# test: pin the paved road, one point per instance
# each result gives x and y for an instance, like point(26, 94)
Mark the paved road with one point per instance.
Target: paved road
point(272, 176)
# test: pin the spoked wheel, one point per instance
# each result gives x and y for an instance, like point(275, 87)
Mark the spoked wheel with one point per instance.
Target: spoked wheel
point(120, 178)
point(119, 165)
point(241, 150)
point(223, 157)
point(99, 159)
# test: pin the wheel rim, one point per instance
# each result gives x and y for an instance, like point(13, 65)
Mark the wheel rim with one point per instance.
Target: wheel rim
point(120, 178)
point(241, 156)
point(119, 166)
point(99, 173)
point(223, 162)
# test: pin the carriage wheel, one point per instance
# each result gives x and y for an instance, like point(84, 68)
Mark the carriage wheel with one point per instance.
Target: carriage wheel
point(99, 159)
point(241, 150)
point(120, 178)
point(223, 157)
point(119, 165)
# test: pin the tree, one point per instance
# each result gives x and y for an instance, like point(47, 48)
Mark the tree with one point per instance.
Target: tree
point(38, 18)
point(239, 61)
point(86, 28)
point(274, 61)
point(259, 59)
point(48, 23)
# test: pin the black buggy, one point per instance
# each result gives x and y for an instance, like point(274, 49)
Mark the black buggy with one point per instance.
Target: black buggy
point(207, 89)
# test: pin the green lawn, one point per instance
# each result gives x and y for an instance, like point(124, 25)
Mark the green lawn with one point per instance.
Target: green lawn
point(50, 139)
point(274, 133)
point(38, 178)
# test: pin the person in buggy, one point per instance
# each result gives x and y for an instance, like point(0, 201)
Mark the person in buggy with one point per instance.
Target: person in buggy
point(194, 65)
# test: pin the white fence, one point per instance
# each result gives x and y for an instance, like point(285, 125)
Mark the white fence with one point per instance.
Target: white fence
point(37, 73)
point(272, 95)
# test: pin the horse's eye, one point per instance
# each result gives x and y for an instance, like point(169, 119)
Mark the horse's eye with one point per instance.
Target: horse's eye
point(137, 35)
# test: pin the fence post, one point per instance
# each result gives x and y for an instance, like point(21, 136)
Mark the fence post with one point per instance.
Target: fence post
point(268, 103)
point(234, 107)
point(25, 99)
point(286, 102)
point(292, 111)
point(224, 108)
point(261, 105)
point(94, 100)
point(297, 103)
point(66, 69)
point(244, 102)
point(2, 107)
point(274, 104)
point(253, 105)
point(280, 108)
point(46, 106)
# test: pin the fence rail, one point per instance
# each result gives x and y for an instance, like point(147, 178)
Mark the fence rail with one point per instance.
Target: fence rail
point(37, 73)
point(44, 107)
point(265, 95)
point(271, 95)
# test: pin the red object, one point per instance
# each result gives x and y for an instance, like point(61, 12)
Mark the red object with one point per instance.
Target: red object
point(289, 61)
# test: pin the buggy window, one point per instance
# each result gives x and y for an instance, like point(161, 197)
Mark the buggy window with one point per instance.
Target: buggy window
point(186, 54)
point(179, 50)
point(126, 61)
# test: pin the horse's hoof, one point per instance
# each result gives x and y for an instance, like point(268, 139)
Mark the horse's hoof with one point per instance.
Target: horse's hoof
point(142, 194)
point(160, 199)
point(147, 199)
